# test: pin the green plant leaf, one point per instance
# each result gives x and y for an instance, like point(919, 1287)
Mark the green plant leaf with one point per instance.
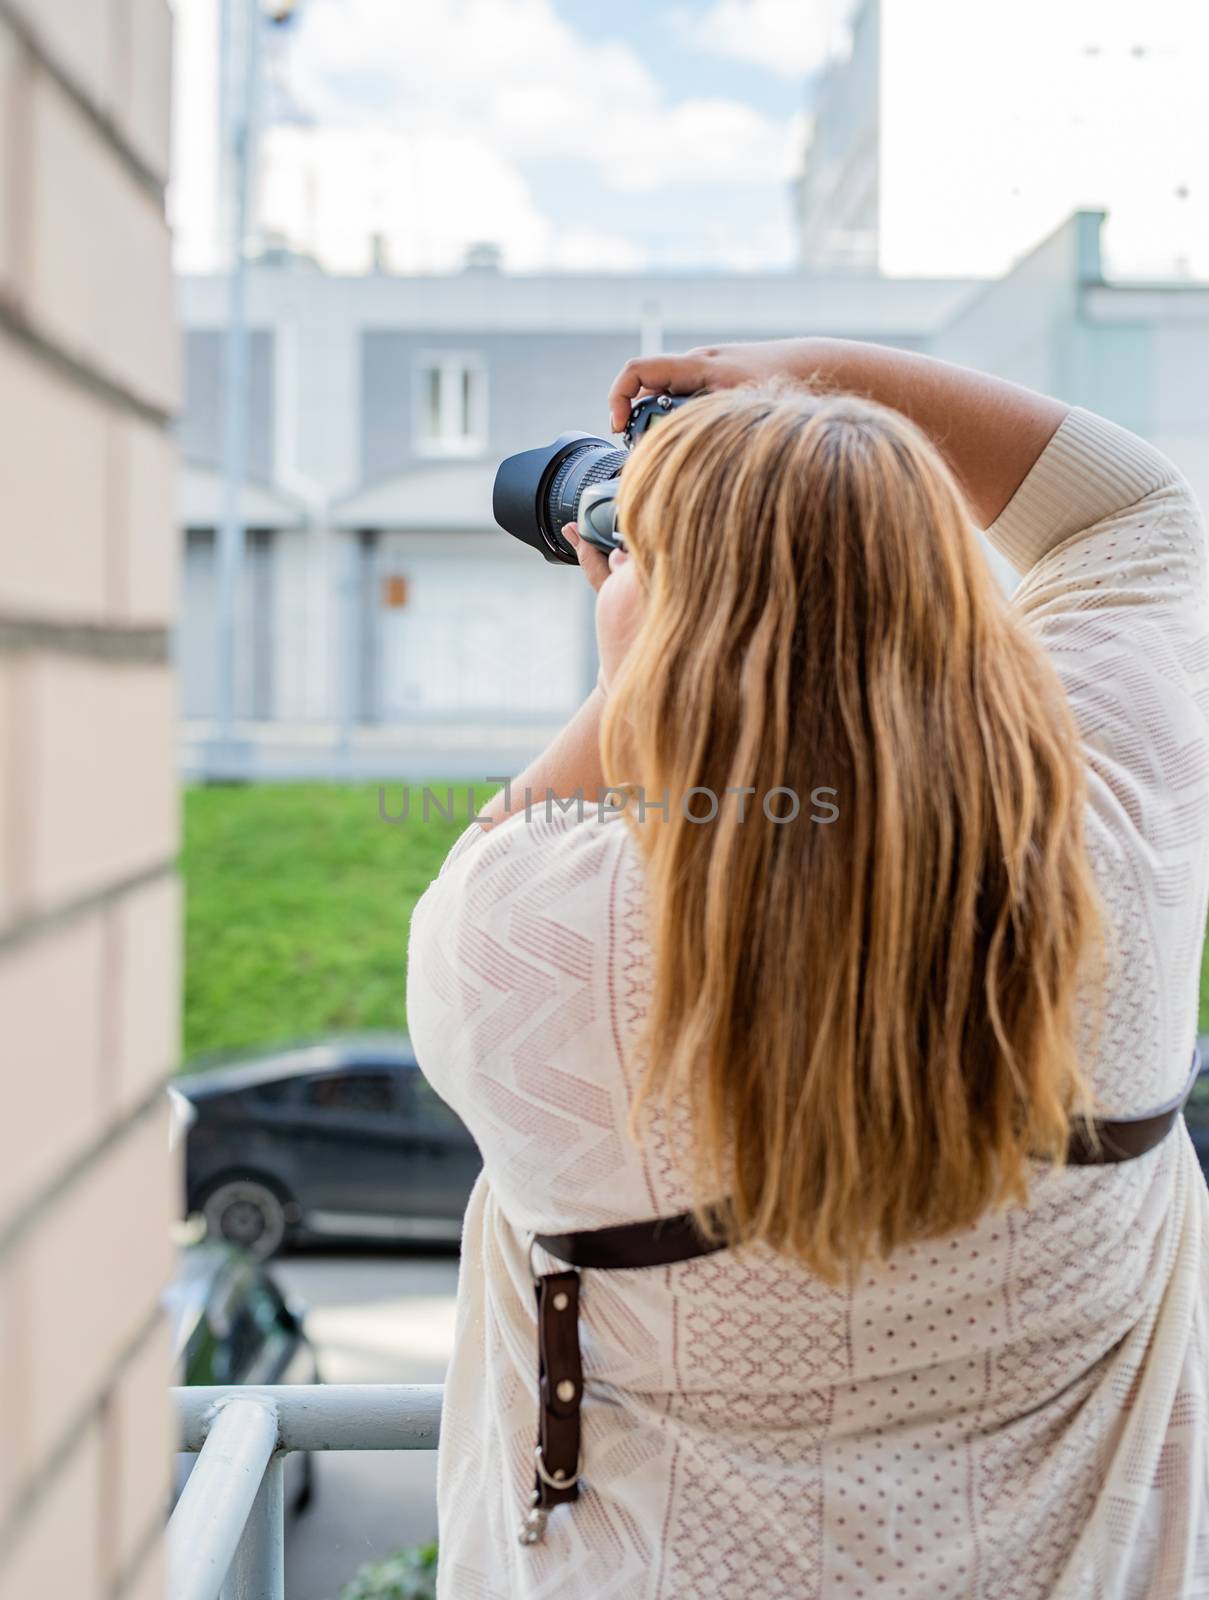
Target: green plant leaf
point(406, 1575)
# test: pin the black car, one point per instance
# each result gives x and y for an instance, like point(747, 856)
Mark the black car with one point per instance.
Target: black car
point(231, 1324)
point(341, 1139)
point(1196, 1112)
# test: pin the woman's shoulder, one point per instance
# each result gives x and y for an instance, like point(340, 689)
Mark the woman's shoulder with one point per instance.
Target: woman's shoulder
point(562, 860)
point(548, 833)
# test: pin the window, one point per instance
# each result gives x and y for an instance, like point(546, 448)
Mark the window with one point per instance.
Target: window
point(274, 1091)
point(450, 405)
point(361, 1092)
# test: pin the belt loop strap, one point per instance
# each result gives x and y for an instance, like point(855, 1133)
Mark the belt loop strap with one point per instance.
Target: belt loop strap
point(560, 1390)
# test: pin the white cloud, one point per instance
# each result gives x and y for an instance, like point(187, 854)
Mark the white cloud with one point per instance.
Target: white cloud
point(788, 37)
point(193, 189)
point(508, 66)
point(513, 73)
point(708, 141)
point(421, 117)
point(428, 196)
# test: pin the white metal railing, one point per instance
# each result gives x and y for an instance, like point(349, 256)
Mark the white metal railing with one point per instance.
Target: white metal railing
point(226, 1537)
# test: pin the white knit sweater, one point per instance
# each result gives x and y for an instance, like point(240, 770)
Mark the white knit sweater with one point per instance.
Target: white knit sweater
point(1017, 1412)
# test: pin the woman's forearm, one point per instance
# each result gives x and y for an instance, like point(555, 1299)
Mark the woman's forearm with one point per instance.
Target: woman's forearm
point(990, 431)
point(569, 766)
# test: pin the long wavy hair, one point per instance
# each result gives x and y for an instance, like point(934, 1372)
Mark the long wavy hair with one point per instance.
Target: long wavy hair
point(874, 1020)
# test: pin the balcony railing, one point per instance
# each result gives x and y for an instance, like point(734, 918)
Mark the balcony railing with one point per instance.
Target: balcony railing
point(226, 1537)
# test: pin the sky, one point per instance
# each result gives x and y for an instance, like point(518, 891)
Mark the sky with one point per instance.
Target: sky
point(570, 134)
point(997, 121)
point(666, 134)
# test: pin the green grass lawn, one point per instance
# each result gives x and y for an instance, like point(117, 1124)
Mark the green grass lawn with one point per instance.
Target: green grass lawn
point(298, 903)
point(299, 898)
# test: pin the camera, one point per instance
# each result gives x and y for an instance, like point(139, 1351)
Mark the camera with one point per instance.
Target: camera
point(572, 480)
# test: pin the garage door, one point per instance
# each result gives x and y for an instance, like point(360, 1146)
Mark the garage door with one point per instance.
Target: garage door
point(459, 637)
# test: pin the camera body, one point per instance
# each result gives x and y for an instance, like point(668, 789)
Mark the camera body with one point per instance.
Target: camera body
point(575, 479)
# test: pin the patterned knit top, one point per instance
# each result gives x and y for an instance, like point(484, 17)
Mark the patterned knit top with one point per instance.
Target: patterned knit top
point(1016, 1412)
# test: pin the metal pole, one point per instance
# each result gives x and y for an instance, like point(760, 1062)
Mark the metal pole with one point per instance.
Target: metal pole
point(348, 633)
point(208, 1523)
point(326, 1416)
point(258, 1570)
point(242, 135)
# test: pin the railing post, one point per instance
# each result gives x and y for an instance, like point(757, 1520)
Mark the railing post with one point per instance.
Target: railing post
point(226, 1538)
point(258, 1570)
point(210, 1515)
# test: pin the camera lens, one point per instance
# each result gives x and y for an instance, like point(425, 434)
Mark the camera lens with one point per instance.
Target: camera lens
point(537, 492)
point(591, 463)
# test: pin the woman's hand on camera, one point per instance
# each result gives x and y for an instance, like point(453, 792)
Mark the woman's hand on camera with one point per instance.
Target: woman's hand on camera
point(594, 562)
point(618, 601)
point(715, 366)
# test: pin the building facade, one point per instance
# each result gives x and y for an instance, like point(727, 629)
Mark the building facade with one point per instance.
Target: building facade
point(89, 903)
point(837, 194)
point(388, 626)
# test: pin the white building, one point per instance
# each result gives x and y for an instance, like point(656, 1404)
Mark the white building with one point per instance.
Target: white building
point(388, 626)
point(957, 135)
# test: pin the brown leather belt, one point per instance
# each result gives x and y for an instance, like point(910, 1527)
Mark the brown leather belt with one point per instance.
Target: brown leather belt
point(664, 1241)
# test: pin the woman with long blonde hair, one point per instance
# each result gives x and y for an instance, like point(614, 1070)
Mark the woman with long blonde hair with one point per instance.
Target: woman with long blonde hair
point(857, 950)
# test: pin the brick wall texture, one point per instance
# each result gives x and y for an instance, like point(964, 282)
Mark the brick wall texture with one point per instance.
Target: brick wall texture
point(89, 898)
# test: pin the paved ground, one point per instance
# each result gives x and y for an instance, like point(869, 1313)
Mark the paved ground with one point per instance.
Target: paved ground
point(375, 1319)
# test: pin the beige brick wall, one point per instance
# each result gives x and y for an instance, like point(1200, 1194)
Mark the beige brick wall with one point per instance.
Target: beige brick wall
point(89, 897)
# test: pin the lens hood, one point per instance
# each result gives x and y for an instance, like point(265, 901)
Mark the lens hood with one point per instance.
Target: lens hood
point(519, 498)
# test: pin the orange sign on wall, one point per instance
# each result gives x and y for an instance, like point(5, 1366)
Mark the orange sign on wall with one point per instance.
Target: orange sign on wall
point(394, 591)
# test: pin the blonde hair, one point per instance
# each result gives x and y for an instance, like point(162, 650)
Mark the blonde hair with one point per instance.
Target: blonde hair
point(873, 1022)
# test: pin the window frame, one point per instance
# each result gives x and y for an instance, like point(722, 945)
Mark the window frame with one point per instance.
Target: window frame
point(453, 366)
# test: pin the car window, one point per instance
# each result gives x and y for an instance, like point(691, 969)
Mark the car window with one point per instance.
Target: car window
point(363, 1092)
point(274, 1091)
point(428, 1108)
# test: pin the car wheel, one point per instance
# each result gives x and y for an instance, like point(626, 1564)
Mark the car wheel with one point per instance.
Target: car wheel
point(246, 1213)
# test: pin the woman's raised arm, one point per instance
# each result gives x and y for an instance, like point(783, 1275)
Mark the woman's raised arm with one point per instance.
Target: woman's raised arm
point(990, 431)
